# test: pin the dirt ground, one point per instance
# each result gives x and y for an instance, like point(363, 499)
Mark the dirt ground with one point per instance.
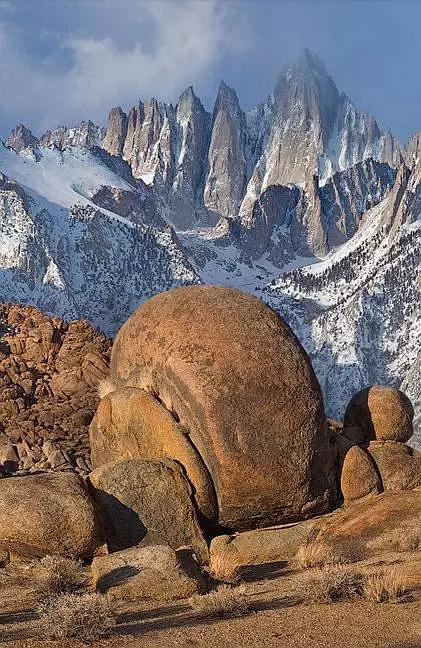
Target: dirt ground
point(281, 616)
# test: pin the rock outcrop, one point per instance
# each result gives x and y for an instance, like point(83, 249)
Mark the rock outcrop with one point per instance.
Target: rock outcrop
point(373, 455)
point(237, 379)
point(49, 373)
point(147, 502)
point(48, 514)
point(368, 527)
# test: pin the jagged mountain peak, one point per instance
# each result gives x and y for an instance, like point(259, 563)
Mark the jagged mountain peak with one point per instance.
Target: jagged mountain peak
point(20, 138)
point(226, 97)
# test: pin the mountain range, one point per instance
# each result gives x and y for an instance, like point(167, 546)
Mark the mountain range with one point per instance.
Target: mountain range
point(304, 200)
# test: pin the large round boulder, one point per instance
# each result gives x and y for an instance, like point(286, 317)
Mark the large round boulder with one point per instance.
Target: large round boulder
point(48, 514)
point(383, 414)
point(234, 375)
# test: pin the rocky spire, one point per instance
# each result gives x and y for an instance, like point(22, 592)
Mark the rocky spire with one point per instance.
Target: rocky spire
point(226, 174)
point(116, 132)
point(20, 138)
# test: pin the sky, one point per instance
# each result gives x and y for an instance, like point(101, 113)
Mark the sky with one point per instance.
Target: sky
point(62, 61)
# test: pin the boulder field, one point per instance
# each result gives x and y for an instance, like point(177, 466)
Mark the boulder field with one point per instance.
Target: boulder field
point(210, 439)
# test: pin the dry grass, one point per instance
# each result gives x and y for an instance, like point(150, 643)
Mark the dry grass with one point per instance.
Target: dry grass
point(334, 583)
point(223, 602)
point(224, 569)
point(105, 387)
point(59, 575)
point(86, 617)
point(407, 540)
point(385, 587)
point(319, 554)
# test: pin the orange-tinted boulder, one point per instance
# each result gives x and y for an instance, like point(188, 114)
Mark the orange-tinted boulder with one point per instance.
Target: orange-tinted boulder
point(130, 423)
point(359, 476)
point(236, 378)
point(383, 413)
point(399, 465)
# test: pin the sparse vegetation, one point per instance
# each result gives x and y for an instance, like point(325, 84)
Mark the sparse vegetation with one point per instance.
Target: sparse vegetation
point(385, 586)
point(105, 387)
point(59, 575)
point(318, 554)
point(407, 540)
point(86, 617)
point(334, 583)
point(222, 602)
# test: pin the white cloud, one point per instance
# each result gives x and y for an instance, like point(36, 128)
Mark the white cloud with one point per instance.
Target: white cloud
point(188, 38)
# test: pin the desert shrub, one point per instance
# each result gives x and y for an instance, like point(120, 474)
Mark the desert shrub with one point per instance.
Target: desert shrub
point(86, 617)
point(105, 387)
point(385, 586)
point(224, 569)
point(222, 602)
point(407, 540)
point(59, 575)
point(320, 554)
point(334, 583)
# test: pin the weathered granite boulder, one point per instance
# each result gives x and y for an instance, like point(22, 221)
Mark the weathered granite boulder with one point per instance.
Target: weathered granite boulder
point(359, 475)
point(258, 546)
point(129, 422)
point(383, 413)
point(146, 502)
point(48, 514)
point(398, 465)
point(370, 526)
point(237, 379)
point(157, 573)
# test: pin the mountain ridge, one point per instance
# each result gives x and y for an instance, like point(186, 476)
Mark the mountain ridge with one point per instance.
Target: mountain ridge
point(303, 200)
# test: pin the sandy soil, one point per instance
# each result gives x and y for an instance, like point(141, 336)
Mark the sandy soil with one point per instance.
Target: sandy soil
point(281, 617)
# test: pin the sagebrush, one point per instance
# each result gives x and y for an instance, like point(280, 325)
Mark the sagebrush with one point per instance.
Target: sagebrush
point(225, 601)
point(60, 575)
point(334, 583)
point(86, 617)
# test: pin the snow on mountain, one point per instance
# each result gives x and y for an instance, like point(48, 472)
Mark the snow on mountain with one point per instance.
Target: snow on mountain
point(63, 251)
point(303, 201)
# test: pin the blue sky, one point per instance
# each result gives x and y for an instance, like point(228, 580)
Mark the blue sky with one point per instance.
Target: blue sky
point(66, 60)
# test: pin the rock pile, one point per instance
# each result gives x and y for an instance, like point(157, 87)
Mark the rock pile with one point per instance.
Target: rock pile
point(49, 372)
point(377, 424)
point(212, 422)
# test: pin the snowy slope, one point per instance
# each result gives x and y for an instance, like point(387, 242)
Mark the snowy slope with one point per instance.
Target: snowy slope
point(62, 252)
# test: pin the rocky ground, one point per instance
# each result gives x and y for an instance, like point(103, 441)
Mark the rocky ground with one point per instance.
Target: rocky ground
point(282, 615)
point(49, 374)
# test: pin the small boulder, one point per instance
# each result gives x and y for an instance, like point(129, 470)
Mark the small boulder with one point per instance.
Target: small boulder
point(47, 514)
point(383, 413)
point(398, 464)
point(130, 423)
point(157, 573)
point(145, 502)
point(359, 476)
point(257, 547)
